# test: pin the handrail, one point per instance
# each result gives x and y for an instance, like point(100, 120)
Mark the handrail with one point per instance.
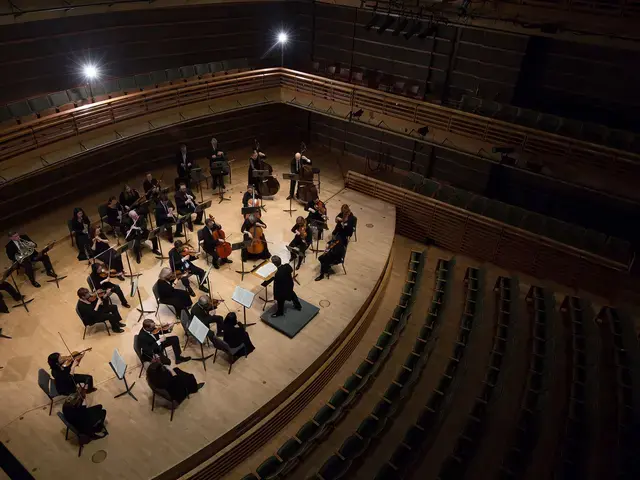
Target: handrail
point(31, 135)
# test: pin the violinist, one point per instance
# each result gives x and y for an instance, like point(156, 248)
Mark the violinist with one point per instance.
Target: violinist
point(178, 299)
point(345, 223)
point(205, 310)
point(212, 237)
point(166, 217)
point(255, 163)
point(317, 217)
point(129, 197)
point(63, 371)
point(333, 255)
point(178, 384)
point(255, 241)
point(101, 279)
point(216, 155)
point(296, 167)
point(94, 308)
point(135, 227)
point(181, 259)
point(302, 239)
point(80, 224)
point(114, 213)
point(250, 194)
point(186, 203)
point(21, 248)
point(88, 421)
point(101, 250)
point(152, 341)
point(184, 163)
point(151, 187)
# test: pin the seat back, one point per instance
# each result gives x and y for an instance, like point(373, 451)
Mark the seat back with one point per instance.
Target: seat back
point(69, 426)
point(70, 226)
point(156, 294)
point(185, 320)
point(160, 391)
point(102, 211)
point(47, 384)
point(136, 348)
point(90, 283)
point(84, 322)
point(200, 238)
point(221, 345)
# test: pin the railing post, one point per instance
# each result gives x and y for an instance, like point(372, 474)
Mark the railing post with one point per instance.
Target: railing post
point(113, 115)
point(33, 134)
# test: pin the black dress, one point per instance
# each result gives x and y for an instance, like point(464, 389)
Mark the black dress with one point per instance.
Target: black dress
point(179, 385)
point(87, 420)
point(106, 255)
point(246, 226)
point(236, 335)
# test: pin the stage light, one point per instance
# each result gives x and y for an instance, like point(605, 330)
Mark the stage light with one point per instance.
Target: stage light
point(386, 24)
point(423, 131)
point(402, 23)
point(283, 37)
point(415, 28)
point(90, 71)
point(373, 22)
point(503, 150)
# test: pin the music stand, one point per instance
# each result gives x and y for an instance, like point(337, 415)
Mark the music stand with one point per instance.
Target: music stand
point(298, 253)
point(197, 175)
point(199, 331)
point(294, 177)
point(9, 273)
point(155, 233)
point(264, 278)
point(134, 290)
point(320, 227)
point(218, 169)
point(240, 246)
point(56, 278)
point(119, 367)
point(125, 248)
point(202, 207)
point(245, 298)
point(183, 220)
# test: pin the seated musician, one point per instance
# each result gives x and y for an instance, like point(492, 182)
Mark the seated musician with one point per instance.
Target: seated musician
point(7, 287)
point(181, 258)
point(65, 378)
point(94, 309)
point(316, 218)
point(186, 203)
point(216, 155)
point(247, 228)
point(179, 384)
point(128, 197)
point(166, 217)
point(345, 223)
point(101, 250)
point(22, 249)
point(101, 279)
point(235, 335)
point(87, 420)
point(296, 168)
point(205, 310)
point(151, 187)
point(301, 240)
point(135, 227)
point(249, 194)
point(333, 255)
point(152, 341)
point(184, 164)
point(255, 163)
point(167, 294)
point(209, 243)
point(114, 213)
point(80, 225)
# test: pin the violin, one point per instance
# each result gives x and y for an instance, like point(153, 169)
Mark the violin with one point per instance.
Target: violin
point(332, 244)
point(178, 274)
point(163, 328)
point(67, 360)
point(223, 249)
point(186, 251)
point(107, 274)
point(320, 207)
point(301, 229)
point(100, 293)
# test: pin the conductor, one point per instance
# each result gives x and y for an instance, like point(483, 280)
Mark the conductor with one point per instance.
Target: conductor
point(283, 286)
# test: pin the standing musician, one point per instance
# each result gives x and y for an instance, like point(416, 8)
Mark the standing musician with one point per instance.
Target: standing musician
point(216, 155)
point(181, 259)
point(166, 217)
point(212, 237)
point(250, 194)
point(101, 279)
point(128, 197)
point(255, 245)
point(178, 299)
point(151, 187)
point(80, 224)
point(65, 378)
point(205, 310)
point(255, 163)
point(114, 213)
point(186, 203)
point(135, 227)
point(7, 287)
point(302, 239)
point(296, 167)
point(94, 309)
point(184, 163)
point(152, 341)
point(345, 222)
point(22, 249)
point(333, 255)
point(283, 286)
point(101, 250)
point(317, 217)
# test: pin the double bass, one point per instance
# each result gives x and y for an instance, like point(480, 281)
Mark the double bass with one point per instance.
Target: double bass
point(267, 186)
point(223, 249)
point(307, 189)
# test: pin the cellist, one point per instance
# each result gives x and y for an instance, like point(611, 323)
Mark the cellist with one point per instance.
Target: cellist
point(211, 239)
point(255, 241)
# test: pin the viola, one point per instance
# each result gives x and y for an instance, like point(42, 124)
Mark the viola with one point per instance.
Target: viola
point(67, 360)
point(320, 207)
point(332, 244)
point(187, 252)
point(163, 328)
point(100, 293)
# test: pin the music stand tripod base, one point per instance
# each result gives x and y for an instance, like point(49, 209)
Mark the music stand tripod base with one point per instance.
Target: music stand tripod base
point(23, 303)
point(57, 280)
point(2, 335)
point(127, 387)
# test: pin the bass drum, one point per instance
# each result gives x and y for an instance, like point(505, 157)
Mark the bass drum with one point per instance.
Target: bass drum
point(269, 186)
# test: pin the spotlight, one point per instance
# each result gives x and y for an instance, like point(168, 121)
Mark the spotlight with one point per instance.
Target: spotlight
point(90, 71)
point(283, 37)
point(402, 23)
point(423, 131)
point(429, 31)
point(415, 28)
point(504, 150)
point(373, 22)
point(386, 24)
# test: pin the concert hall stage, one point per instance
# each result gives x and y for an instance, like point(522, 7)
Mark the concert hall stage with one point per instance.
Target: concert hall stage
point(143, 443)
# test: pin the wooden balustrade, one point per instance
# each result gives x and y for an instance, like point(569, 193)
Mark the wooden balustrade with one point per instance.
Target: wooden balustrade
point(44, 131)
point(422, 218)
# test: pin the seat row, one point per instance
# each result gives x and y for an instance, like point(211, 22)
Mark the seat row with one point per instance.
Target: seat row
point(293, 450)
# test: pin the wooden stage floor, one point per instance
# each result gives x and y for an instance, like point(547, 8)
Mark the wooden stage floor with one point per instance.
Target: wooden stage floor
point(143, 443)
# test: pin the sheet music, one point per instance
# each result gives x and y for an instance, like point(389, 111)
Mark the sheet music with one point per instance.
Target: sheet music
point(243, 297)
point(266, 270)
point(118, 363)
point(284, 255)
point(198, 329)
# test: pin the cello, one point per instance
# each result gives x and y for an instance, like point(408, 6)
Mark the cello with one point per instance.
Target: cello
point(223, 249)
point(256, 245)
point(267, 186)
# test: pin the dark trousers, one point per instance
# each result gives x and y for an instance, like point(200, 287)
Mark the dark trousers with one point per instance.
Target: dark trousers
point(169, 228)
point(36, 257)
point(326, 261)
point(87, 380)
point(280, 301)
point(7, 287)
point(109, 313)
point(217, 180)
point(137, 242)
point(84, 245)
point(115, 289)
point(174, 343)
point(197, 271)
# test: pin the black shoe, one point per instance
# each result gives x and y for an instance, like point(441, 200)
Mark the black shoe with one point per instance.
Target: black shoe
point(275, 315)
point(198, 223)
point(35, 284)
point(200, 385)
point(91, 390)
point(204, 289)
point(298, 308)
point(289, 197)
point(299, 265)
point(4, 310)
point(52, 274)
point(170, 239)
point(191, 292)
point(319, 277)
point(118, 330)
point(178, 235)
point(180, 360)
point(126, 305)
point(82, 258)
point(227, 260)
point(156, 252)
point(138, 260)
point(216, 266)
point(122, 324)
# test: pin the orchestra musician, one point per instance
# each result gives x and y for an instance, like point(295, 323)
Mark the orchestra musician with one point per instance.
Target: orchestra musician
point(345, 222)
point(166, 217)
point(210, 242)
point(136, 229)
point(205, 310)
point(87, 421)
point(7, 287)
point(178, 384)
point(255, 163)
point(333, 255)
point(186, 203)
point(296, 167)
point(235, 335)
point(94, 309)
point(178, 299)
point(80, 226)
point(317, 217)
point(114, 213)
point(128, 197)
point(151, 187)
point(283, 286)
point(184, 163)
point(22, 249)
point(301, 240)
point(65, 378)
point(247, 229)
point(101, 279)
point(216, 155)
point(102, 250)
point(152, 341)
point(250, 194)
point(181, 259)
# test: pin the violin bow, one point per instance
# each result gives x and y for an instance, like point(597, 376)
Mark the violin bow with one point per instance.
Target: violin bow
point(223, 302)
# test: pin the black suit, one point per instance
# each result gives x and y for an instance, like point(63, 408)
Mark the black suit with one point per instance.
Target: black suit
point(207, 317)
point(184, 166)
point(148, 187)
point(105, 313)
point(283, 288)
point(213, 157)
point(332, 257)
point(87, 420)
point(182, 199)
point(178, 299)
point(13, 251)
point(178, 262)
point(296, 167)
point(138, 235)
point(7, 287)
point(148, 343)
point(164, 219)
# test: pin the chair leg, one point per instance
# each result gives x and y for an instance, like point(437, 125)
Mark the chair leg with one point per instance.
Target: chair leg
point(153, 401)
point(107, 327)
point(173, 407)
point(141, 368)
point(215, 354)
point(85, 332)
point(51, 407)
point(345, 270)
point(187, 342)
point(204, 362)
